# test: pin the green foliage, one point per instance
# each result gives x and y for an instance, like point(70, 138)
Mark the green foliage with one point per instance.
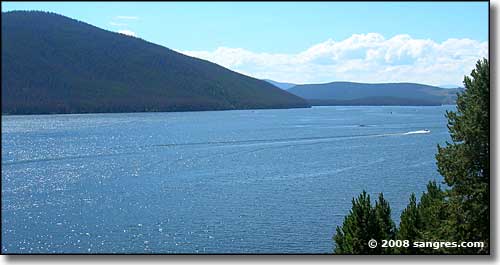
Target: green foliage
point(459, 213)
point(464, 164)
point(54, 64)
point(410, 225)
point(384, 224)
point(433, 214)
point(423, 221)
point(363, 223)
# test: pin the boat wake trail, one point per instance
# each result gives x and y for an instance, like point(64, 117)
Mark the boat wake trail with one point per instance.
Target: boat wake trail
point(268, 143)
point(290, 140)
point(418, 132)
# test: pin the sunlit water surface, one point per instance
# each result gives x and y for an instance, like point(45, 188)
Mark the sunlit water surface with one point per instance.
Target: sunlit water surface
point(251, 181)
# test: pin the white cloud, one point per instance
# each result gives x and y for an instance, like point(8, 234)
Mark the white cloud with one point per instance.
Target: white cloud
point(127, 32)
point(127, 17)
point(362, 58)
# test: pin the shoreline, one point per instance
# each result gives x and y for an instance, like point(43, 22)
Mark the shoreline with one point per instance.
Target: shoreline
point(218, 110)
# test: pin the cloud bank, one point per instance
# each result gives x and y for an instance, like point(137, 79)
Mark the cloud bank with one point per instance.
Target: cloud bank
point(367, 58)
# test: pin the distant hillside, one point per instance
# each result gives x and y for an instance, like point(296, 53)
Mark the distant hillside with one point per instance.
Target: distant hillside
point(54, 64)
point(281, 85)
point(349, 93)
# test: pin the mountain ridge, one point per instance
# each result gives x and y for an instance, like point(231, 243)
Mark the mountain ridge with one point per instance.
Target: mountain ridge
point(403, 93)
point(55, 64)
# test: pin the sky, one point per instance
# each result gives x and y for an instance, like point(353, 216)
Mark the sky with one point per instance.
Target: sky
point(433, 43)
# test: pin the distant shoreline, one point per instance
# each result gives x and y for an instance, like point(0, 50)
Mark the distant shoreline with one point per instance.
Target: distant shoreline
point(218, 110)
point(159, 111)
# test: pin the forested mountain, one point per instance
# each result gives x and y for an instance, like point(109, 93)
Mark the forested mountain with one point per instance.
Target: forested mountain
point(349, 93)
point(54, 64)
point(281, 85)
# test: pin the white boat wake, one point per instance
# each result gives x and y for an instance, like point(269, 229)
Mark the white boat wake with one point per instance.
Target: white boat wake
point(418, 132)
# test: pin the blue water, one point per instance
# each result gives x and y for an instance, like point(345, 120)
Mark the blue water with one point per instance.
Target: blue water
point(250, 181)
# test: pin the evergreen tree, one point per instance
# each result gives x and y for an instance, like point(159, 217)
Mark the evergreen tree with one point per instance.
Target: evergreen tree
point(384, 224)
point(433, 213)
point(464, 163)
point(410, 226)
point(353, 236)
point(364, 223)
point(458, 214)
point(424, 221)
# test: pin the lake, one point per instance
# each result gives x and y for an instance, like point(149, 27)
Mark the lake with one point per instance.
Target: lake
point(249, 181)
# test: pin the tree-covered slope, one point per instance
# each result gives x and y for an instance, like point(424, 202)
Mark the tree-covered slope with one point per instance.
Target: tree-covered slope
point(54, 64)
point(349, 93)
